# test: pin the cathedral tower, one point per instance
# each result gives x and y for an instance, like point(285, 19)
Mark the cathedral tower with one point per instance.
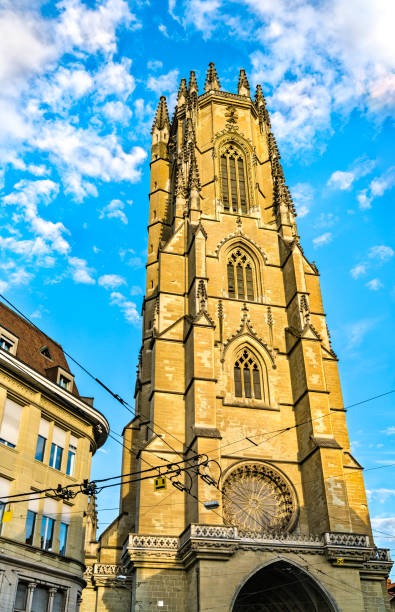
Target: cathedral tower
point(236, 365)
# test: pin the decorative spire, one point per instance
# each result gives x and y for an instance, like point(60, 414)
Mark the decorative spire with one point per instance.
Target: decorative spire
point(193, 86)
point(259, 99)
point(193, 179)
point(162, 115)
point(182, 93)
point(212, 81)
point(243, 88)
point(260, 103)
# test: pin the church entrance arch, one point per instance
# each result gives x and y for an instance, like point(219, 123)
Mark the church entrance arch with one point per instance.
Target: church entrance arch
point(282, 587)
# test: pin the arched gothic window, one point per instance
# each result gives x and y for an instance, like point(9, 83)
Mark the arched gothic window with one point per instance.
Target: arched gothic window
point(234, 180)
point(247, 376)
point(240, 276)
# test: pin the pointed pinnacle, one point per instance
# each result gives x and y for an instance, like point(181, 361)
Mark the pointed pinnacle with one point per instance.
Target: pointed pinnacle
point(243, 88)
point(259, 99)
point(212, 81)
point(193, 86)
point(162, 115)
point(182, 92)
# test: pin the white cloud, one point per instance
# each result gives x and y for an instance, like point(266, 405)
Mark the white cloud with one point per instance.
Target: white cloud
point(358, 271)
point(390, 431)
point(111, 281)
point(341, 180)
point(135, 290)
point(375, 284)
point(344, 179)
point(115, 78)
point(114, 210)
point(164, 82)
point(303, 194)
point(128, 308)
point(326, 220)
point(377, 188)
point(322, 240)
point(154, 65)
point(80, 271)
point(20, 277)
point(117, 111)
point(356, 332)
point(93, 30)
point(382, 494)
point(384, 523)
point(162, 28)
point(131, 259)
point(381, 252)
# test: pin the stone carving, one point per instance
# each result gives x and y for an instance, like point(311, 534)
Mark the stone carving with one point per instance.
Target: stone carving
point(147, 541)
point(258, 499)
point(346, 539)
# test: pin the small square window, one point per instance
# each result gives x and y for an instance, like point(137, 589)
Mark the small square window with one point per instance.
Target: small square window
point(45, 351)
point(6, 344)
point(64, 382)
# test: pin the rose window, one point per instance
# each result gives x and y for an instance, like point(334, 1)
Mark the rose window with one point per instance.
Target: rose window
point(258, 498)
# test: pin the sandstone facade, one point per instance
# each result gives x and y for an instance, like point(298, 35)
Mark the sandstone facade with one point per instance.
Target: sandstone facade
point(237, 365)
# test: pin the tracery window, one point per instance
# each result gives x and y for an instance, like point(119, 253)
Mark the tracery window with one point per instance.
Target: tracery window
point(240, 276)
point(247, 376)
point(234, 180)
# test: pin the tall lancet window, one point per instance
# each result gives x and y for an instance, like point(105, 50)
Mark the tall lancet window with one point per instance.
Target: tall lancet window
point(233, 180)
point(240, 269)
point(247, 376)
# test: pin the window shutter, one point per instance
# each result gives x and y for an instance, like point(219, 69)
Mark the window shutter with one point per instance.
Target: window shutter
point(59, 436)
point(66, 510)
point(257, 383)
point(4, 488)
point(240, 282)
point(237, 375)
point(225, 191)
point(51, 508)
point(247, 382)
point(33, 503)
point(250, 286)
point(11, 421)
point(73, 441)
point(44, 428)
point(242, 187)
point(233, 187)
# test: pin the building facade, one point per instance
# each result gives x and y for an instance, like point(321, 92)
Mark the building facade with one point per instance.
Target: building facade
point(48, 434)
point(236, 365)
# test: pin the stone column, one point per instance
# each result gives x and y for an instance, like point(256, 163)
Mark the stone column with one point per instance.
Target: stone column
point(30, 590)
point(52, 592)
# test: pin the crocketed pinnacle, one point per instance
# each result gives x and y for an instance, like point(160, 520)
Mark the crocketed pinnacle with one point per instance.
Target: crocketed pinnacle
point(260, 103)
point(212, 81)
point(243, 88)
point(259, 99)
point(162, 115)
point(182, 91)
point(193, 86)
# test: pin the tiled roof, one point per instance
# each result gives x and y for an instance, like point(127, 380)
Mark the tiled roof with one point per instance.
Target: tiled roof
point(31, 342)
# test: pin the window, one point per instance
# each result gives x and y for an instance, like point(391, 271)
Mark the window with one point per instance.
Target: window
point(55, 458)
point(4, 493)
point(9, 429)
point(45, 351)
point(57, 446)
point(47, 529)
point(29, 528)
point(21, 597)
point(63, 530)
point(40, 599)
point(64, 382)
point(233, 180)
point(5, 344)
point(58, 602)
point(247, 376)
point(240, 276)
point(43, 433)
point(71, 456)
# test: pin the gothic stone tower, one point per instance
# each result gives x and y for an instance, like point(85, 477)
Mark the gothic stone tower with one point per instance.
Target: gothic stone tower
point(236, 363)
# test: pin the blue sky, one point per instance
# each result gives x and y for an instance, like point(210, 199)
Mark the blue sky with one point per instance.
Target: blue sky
point(79, 83)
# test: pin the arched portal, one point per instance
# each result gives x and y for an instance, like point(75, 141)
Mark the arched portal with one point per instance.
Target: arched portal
point(282, 587)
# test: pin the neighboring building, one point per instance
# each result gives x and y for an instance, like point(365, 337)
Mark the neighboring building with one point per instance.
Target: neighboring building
point(48, 434)
point(391, 593)
point(236, 362)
